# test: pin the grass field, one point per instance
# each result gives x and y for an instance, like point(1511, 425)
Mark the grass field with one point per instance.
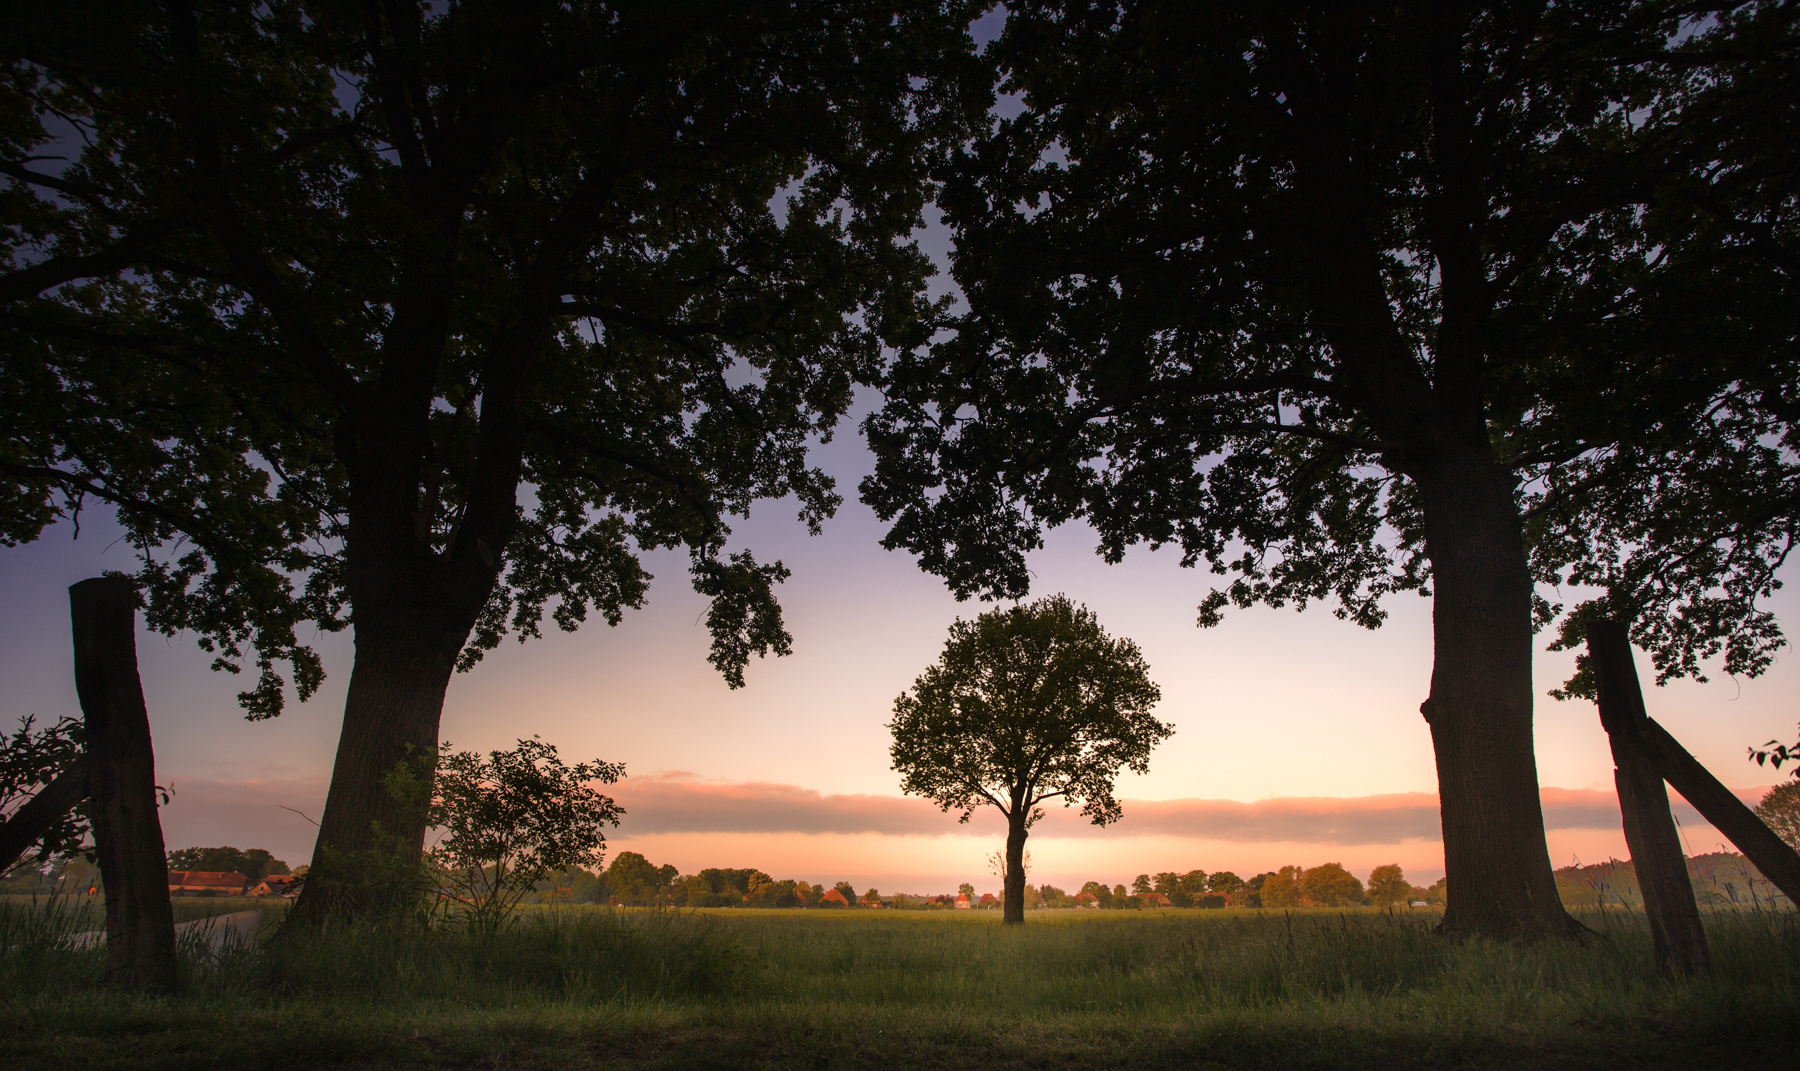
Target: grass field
point(589, 987)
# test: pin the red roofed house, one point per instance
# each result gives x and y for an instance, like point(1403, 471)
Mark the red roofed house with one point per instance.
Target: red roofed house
point(1155, 899)
point(988, 899)
point(834, 898)
point(962, 902)
point(1087, 899)
point(289, 885)
point(205, 883)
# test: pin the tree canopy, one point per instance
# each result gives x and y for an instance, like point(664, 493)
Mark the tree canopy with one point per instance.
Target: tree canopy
point(435, 317)
point(1027, 704)
point(1350, 299)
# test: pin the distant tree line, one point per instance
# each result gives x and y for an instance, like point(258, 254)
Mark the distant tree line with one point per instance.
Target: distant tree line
point(631, 880)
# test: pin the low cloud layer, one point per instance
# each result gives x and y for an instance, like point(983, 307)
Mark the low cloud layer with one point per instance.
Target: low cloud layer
point(680, 803)
point(249, 813)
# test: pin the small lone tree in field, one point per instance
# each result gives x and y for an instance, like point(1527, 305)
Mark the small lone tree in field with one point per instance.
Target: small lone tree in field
point(513, 817)
point(1388, 886)
point(1023, 706)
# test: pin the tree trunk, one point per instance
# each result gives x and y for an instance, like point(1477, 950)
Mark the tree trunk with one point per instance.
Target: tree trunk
point(121, 776)
point(1499, 879)
point(1716, 803)
point(1013, 906)
point(1656, 853)
point(371, 836)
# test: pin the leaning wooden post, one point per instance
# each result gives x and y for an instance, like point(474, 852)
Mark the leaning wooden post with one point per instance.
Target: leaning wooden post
point(1649, 827)
point(1717, 804)
point(140, 925)
point(29, 823)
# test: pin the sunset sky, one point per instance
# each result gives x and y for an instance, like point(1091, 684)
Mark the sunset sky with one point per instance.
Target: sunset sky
point(1298, 738)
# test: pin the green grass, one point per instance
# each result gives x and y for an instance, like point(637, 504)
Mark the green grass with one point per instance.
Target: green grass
point(586, 987)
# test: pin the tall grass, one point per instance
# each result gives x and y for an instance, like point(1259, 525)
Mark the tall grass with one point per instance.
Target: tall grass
point(870, 987)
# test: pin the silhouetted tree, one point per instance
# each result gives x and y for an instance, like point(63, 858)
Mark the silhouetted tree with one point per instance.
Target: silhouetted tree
point(1337, 297)
point(1026, 705)
point(431, 317)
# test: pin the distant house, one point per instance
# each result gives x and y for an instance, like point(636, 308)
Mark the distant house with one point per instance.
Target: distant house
point(962, 902)
point(834, 898)
point(988, 899)
point(801, 895)
point(285, 885)
point(1156, 899)
point(206, 883)
point(1087, 899)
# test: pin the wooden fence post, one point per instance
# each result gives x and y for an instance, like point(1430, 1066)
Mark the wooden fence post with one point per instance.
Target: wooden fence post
point(140, 924)
point(1716, 803)
point(1650, 833)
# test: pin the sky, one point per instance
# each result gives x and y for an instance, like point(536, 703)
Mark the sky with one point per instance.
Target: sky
point(1298, 738)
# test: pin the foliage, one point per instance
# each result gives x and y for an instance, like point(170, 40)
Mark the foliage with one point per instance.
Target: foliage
point(1779, 809)
point(299, 258)
point(1774, 754)
point(511, 818)
point(1281, 888)
point(1025, 705)
point(1224, 882)
point(254, 863)
point(29, 760)
point(634, 880)
point(1157, 342)
point(1330, 885)
point(1349, 299)
point(1388, 886)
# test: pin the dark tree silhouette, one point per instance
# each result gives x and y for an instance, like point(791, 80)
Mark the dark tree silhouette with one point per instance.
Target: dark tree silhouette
point(1026, 705)
point(1335, 296)
point(428, 318)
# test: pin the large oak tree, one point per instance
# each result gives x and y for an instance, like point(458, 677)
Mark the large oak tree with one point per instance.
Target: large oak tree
point(1330, 295)
point(427, 319)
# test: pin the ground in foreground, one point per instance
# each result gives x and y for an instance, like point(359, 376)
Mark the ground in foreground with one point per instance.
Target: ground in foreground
point(575, 988)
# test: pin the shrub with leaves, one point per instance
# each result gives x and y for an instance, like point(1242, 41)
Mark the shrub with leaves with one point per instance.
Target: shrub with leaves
point(509, 819)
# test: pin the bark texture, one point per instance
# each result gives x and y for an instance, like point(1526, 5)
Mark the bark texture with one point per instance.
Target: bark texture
point(1013, 907)
point(1499, 879)
point(371, 836)
point(1716, 803)
point(30, 822)
point(1656, 853)
point(140, 924)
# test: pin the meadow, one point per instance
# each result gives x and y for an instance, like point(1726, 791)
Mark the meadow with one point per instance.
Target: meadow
point(743, 989)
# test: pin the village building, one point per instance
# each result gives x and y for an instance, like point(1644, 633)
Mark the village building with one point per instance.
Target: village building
point(281, 885)
point(988, 899)
point(206, 883)
point(962, 902)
